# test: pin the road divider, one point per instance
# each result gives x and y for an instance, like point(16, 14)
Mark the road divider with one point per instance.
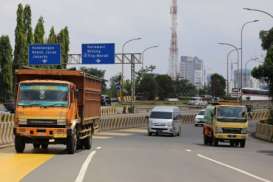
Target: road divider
point(112, 119)
point(264, 131)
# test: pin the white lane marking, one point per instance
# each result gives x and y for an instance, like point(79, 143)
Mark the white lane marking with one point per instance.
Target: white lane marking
point(188, 150)
point(98, 148)
point(234, 168)
point(84, 167)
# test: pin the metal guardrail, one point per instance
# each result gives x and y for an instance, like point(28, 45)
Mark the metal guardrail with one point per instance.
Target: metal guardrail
point(110, 121)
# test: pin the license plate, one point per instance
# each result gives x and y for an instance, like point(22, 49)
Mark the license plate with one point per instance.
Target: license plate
point(232, 136)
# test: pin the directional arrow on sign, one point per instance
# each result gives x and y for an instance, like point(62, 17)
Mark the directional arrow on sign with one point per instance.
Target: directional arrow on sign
point(98, 60)
point(44, 61)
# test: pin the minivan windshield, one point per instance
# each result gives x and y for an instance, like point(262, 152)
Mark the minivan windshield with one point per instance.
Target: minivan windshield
point(161, 115)
point(201, 113)
point(43, 95)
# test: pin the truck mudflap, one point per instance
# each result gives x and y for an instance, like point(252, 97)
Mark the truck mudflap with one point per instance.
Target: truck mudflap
point(41, 132)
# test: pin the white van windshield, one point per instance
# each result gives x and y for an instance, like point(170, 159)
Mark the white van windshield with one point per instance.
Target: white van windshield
point(161, 115)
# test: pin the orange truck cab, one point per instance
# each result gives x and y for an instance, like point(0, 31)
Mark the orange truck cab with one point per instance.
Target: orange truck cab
point(56, 107)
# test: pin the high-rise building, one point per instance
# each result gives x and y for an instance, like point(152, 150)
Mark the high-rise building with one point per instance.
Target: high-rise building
point(248, 80)
point(192, 69)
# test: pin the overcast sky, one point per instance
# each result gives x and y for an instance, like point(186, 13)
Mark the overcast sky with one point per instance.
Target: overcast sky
point(201, 24)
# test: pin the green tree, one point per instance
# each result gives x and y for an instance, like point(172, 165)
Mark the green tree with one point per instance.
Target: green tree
point(63, 40)
point(98, 73)
point(20, 58)
point(217, 85)
point(6, 69)
point(264, 72)
point(39, 31)
point(165, 86)
point(148, 87)
point(185, 88)
point(114, 92)
point(27, 25)
point(52, 38)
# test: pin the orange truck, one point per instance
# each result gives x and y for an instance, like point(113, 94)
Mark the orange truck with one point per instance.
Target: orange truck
point(56, 107)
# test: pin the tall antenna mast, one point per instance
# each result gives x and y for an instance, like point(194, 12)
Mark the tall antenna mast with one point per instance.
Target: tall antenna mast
point(173, 59)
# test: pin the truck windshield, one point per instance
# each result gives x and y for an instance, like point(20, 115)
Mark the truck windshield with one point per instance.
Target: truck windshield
point(161, 115)
point(234, 113)
point(43, 95)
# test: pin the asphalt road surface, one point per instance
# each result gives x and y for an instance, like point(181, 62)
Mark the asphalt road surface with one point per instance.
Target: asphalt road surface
point(132, 156)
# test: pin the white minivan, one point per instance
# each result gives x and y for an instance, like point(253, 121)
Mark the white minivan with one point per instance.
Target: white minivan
point(165, 120)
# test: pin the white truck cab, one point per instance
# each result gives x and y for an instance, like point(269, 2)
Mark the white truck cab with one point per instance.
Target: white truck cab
point(165, 119)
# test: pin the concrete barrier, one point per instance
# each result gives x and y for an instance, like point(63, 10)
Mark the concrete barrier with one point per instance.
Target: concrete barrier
point(259, 115)
point(111, 110)
point(6, 129)
point(264, 131)
point(111, 121)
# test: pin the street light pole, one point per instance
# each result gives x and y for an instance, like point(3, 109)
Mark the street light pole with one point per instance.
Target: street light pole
point(242, 31)
point(251, 60)
point(261, 11)
point(228, 55)
point(235, 48)
point(122, 63)
point(148, 48)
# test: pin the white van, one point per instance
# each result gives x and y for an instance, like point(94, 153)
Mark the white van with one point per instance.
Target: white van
point(165, 119)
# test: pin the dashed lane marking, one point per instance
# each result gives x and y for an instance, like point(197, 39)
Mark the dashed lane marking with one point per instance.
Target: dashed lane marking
point(98, 148)
point(234, 168)
point(188, 150)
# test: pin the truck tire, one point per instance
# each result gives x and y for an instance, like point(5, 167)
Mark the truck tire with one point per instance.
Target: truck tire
point(214, 142)
point(206, 141)
point(36, 145)
point(87, 142)
point(71, 143)
point(44, 146)
point(242, 143)
point(19, 144)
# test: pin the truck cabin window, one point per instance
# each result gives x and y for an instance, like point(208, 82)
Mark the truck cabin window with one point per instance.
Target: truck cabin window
point(43, 95)
point(234, 113)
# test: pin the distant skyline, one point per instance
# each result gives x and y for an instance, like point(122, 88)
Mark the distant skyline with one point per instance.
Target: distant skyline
point(201, 24)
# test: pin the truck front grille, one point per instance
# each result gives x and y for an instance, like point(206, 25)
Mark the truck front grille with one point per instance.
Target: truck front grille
point(43, 122)
point(232, 130)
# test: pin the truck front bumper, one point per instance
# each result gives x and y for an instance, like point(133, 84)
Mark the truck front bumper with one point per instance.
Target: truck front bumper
point(227, 136)
point(41, 132)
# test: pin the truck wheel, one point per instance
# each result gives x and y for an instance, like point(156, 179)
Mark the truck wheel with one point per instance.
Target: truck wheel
point(214, 142)
point(242, 143)
point(19, 144)
point(206, 142)
point(44, 146)
point(36, 145)
point(87, 142)
point(71, 144)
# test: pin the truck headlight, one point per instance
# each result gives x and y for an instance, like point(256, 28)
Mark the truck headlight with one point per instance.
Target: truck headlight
point(218, 130)
point(61, 122)
point(244, 131)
